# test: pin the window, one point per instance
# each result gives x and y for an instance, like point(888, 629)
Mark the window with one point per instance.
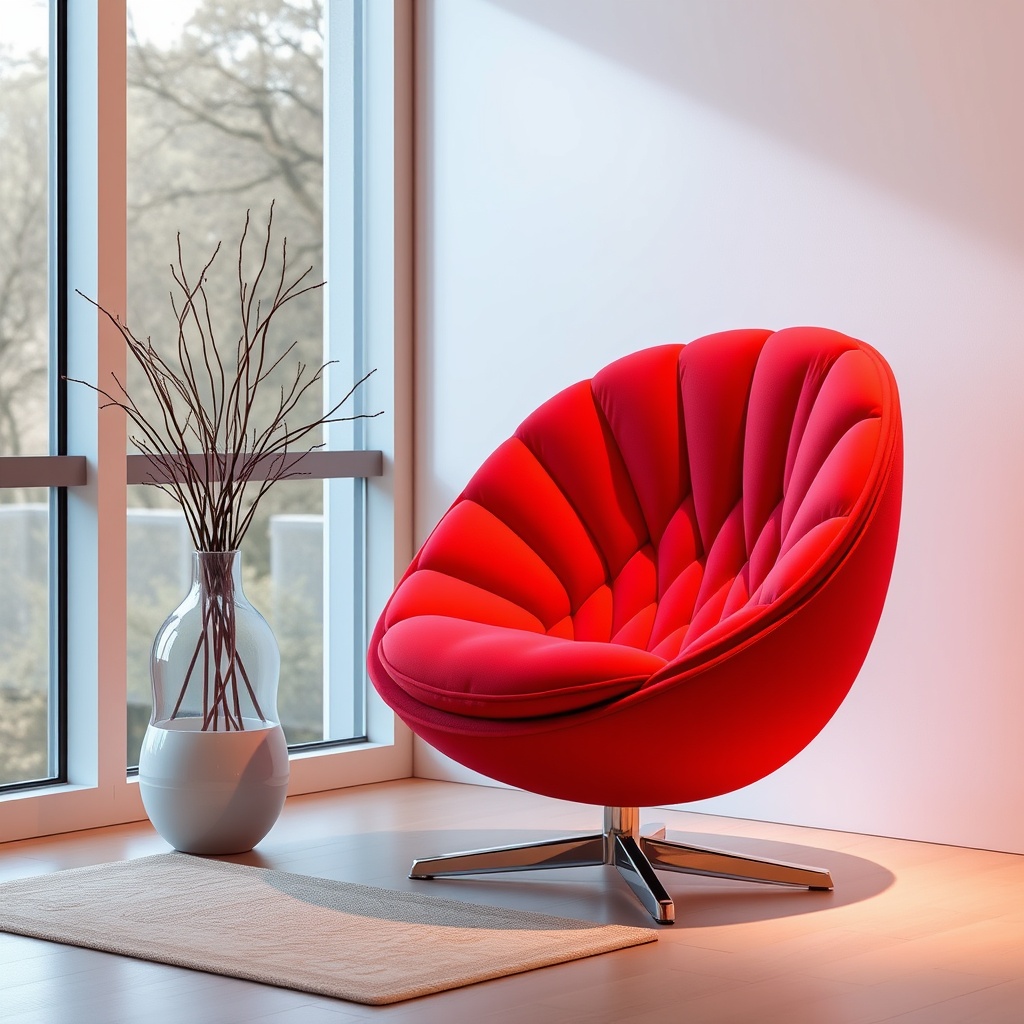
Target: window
point(224, 117)
point(121, 70)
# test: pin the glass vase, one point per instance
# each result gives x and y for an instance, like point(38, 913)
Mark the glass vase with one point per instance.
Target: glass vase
point(213, 771)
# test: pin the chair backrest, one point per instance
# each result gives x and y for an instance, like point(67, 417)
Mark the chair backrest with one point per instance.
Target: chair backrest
point(681, 493)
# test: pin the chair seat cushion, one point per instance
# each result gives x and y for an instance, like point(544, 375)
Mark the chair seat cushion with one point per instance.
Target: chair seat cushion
point(489, 671)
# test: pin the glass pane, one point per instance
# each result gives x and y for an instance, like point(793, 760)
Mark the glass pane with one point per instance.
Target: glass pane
point(225, 115)
point(24, 639)
point(26, 753)
point(24, 388)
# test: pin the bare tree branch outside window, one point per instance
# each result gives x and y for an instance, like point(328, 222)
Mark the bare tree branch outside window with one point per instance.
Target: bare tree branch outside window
point(23, 268)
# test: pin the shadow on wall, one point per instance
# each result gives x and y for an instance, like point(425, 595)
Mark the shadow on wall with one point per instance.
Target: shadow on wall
point(918, 96)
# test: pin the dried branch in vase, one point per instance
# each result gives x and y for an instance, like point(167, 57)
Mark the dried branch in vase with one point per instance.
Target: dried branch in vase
point(206, 400)
point(218, 445)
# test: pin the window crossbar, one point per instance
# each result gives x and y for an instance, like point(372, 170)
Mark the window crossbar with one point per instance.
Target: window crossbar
point(72, 470)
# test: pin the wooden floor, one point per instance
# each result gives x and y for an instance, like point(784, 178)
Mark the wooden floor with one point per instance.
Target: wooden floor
point(912, 933)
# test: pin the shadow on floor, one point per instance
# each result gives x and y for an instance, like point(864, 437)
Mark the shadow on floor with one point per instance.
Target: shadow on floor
point(593, 893)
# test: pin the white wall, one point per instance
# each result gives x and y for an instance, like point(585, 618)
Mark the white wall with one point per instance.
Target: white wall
point(603, 175)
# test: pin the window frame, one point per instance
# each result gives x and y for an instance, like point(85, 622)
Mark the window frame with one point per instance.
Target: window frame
point(95, 787)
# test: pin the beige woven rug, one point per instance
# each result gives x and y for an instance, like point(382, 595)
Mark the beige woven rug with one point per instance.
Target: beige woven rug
point(312, 934)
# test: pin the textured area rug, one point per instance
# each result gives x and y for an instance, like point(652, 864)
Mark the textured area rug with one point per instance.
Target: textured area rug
point(330, 938)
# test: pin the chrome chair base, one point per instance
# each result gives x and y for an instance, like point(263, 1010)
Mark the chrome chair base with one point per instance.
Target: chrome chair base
point(633, 853)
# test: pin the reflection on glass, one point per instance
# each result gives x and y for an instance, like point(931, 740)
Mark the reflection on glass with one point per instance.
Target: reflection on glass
point(24, 641)
point(25, 704)
point(23, 206)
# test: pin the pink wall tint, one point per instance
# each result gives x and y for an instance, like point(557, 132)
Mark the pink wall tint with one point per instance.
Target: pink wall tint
point(599, 175)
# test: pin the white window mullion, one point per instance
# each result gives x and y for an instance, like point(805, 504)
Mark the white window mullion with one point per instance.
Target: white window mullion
point(111, 362)
point(387, 313)
point(83, 711)
point(341, 337)
point(96, 518)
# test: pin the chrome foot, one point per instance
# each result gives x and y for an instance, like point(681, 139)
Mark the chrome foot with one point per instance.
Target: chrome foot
point(636, 869)
point(575, 852)
point(698, 860)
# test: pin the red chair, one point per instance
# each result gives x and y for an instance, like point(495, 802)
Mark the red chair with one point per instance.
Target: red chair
point(658, 590)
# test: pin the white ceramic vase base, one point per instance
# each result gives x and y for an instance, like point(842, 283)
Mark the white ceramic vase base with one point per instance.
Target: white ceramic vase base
point(213, 792)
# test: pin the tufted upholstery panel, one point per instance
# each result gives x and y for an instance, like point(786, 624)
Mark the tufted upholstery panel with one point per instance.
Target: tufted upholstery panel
point(640, 525)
